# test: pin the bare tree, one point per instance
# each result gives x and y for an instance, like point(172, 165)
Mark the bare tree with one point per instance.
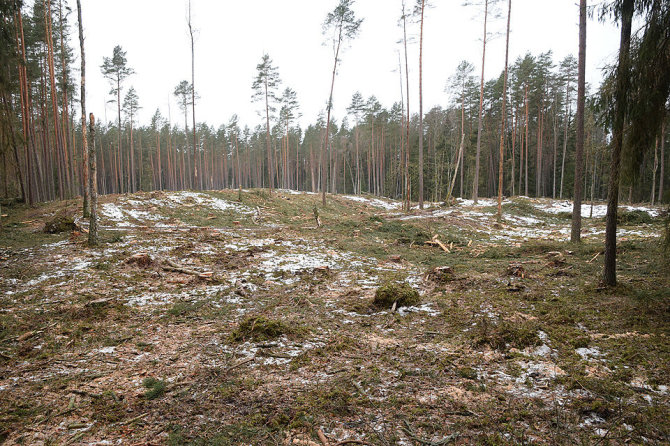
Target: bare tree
point(82, 99)
point(579, 154)
point(504, 103)
point(343, 24)
point(190, 31)
point(93, 184)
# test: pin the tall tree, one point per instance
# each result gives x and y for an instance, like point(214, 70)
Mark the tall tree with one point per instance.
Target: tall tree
point(287, 113)
point(183, 93)
point(475, 185)
point(356, 108)
point(502, 130)
point(406, 203)
point(460, 80)
point(195, 145)
point(93, 184)
point(115, 69)
point(420, 9)
point(82, 99)
point(265, 89)
point(623, 12)
point(130, 106)
point(344, 26)
point(579, 153)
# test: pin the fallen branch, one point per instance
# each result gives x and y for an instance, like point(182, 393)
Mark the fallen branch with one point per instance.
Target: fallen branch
point(241, 363)
point(322, 437)
point(352, 442)
point(594, 257)
point(177, 268)
point(408, 430)
point(132, 420)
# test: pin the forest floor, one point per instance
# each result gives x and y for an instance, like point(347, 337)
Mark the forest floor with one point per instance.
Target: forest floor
point(135, 342)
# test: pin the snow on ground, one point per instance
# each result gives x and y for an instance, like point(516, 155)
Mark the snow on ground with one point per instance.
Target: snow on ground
point(204, 199)
point(599, 210)
point(376, 202)
point(145, 210)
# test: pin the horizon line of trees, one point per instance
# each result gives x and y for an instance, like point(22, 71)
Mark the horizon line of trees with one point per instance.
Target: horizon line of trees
point(515, 134)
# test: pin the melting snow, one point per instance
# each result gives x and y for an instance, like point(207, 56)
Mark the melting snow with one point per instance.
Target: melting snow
point(376, 202)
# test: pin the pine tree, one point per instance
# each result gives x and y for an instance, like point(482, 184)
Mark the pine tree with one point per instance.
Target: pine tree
point(130, 107)
point(115, 69)
point(265, 88)
point(344, 26)
point(581, 99)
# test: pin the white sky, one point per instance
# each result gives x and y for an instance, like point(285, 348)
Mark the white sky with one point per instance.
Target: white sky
point(232, 36)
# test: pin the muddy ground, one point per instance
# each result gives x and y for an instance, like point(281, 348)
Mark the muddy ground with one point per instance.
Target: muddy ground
point(205, 320)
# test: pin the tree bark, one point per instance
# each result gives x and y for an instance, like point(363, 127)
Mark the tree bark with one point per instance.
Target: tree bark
point(324, 182)
point(653, 177)
point(475, 185)
point(82, 99)
point(622, 82)
point(660, 185)
point(195, 167)
point(579, 152)
point(421, 108)
point(502, 129)
point(93, 184)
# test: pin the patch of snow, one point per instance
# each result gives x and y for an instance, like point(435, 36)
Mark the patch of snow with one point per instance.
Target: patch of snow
point(423, 308)
point(112, 211)
point(209, 201)
point(588, 353)
point(376, 202)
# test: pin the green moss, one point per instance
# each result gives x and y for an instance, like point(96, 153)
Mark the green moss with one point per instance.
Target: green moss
point(60, 223)
point(155, 388)
point(502, 334)
point(260, 328)
point(400, 293)
point(467, 372)
point(635, 217)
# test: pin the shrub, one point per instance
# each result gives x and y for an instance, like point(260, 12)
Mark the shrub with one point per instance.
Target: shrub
point(260, 328)
point(400, 293)
point(60, 223)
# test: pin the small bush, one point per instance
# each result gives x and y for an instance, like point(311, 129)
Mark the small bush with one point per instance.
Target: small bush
point(155, 388)
point(633, 217)
point(404, 233)
point(60, 223)
point(503, 334)
point(260, 328)
point(402, 293)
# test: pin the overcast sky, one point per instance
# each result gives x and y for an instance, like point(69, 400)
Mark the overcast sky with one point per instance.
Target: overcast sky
point(232, 36)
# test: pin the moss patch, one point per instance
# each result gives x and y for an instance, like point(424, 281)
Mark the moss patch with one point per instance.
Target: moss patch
point(60, 223)
point(260, 328)
point(401, 293)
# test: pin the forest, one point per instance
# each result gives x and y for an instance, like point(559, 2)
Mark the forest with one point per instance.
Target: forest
point(492, 270)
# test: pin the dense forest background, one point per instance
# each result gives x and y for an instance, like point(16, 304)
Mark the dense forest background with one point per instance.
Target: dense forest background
point(41, 150)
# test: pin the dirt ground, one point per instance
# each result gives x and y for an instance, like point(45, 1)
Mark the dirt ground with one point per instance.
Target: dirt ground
point(205, 320)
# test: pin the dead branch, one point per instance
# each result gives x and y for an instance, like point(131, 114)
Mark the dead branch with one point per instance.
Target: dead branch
point(241, 363)
point(322, 437)
point(171, 266)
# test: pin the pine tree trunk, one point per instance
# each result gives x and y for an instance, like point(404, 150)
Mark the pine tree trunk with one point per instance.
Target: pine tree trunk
point(25, 109)
point(82, 99)
point(407, 120)
point(93, 184)
point(502, 129)
point(421, 109)
point(622, 82)
point(475, 185)
point(653, 177)
point(579, 152)
point(660, 185)
point(324, 182)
